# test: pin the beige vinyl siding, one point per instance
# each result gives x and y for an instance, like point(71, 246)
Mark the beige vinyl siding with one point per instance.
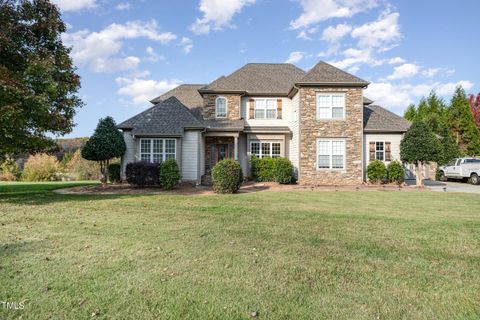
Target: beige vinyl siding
point(286, 113)
point(191, 149)
point(294, 150)
point(393, 138)
point(130, 153)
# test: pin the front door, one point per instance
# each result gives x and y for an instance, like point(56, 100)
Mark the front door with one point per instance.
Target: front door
point(221, 152)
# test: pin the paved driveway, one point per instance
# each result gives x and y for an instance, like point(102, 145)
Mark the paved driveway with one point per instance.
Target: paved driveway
point(449, 186)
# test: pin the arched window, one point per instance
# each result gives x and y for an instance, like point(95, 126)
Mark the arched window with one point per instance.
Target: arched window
point(221, 107)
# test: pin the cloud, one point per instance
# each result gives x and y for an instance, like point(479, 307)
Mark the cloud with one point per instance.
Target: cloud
point(217, 14)
point(101, 65)
point(75, 5)
point(295, 57)
point(186, 44)
point(397, 97)
point(396, 60)
point(315, 11)
point(152, 55)
point(403, 71)
point(382, 33)
point(334, 34)
point(98, 49)
point(123, 6)
point(143, 90)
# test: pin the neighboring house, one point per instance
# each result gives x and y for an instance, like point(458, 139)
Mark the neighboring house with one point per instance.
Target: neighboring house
point(318, 119)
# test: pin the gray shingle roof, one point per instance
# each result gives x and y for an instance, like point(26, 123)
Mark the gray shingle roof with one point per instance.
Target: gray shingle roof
point(169, 117)
point(378, 119)
point(367, 101)
point(324, 73)
point(257, 78)
point(188, 95)
point(224, 125)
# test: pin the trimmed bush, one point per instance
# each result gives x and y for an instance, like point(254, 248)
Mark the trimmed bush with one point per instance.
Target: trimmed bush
point(395, 172)
point(283, 170)
point(376, 171)
point(40, 167)
point(142, 174)
point(114, 172)
point(169, 174)
point(262, 169)
point(227, 176)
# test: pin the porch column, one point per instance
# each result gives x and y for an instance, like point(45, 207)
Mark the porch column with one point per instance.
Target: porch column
point(235, 148)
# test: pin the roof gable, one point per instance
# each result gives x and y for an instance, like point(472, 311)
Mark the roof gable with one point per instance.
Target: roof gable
point(324, 73)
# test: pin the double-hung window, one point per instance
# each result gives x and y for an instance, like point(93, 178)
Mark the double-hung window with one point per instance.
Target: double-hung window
point(221, 107)
point(157, 150)
point(265, 149)
point(330, 106)
point(330, 154)
point(380, 150)
point(265, 108)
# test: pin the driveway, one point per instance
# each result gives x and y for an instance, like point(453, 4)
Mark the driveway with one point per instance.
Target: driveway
point(449, 186)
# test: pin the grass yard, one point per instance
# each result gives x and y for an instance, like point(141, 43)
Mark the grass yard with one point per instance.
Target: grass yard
point(295, 255)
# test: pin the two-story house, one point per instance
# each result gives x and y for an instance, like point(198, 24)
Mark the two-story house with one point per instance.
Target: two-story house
point(318, 119)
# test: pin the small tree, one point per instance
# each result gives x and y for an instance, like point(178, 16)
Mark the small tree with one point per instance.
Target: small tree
point(105, 144)
point(475, 108)
point(419, 145)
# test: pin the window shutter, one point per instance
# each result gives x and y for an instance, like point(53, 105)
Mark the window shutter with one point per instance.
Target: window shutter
point(372, 150)
point(279, 108)
point(388, 152)
point(252, 108)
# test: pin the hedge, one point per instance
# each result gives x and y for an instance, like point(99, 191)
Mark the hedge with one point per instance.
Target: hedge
point(114, 172)
point(169, 174)
point(271, 169)
point(143, 174)
point(376, 171)
point(395, 172)
point(227, 176)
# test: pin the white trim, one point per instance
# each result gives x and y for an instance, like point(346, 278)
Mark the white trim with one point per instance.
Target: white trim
point(151, 153)
point(265, 117)
point(226, 107)
point(270, 142)
point(330, 141)
point(330, 108)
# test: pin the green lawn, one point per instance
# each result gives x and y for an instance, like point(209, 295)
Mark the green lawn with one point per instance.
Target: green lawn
point(295, 255)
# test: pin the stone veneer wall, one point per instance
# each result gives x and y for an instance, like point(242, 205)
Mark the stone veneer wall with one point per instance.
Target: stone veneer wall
point(350, 129)
point(233, 106)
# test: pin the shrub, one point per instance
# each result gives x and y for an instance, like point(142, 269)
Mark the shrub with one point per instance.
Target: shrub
point(142, 174)
point(40, 167)
point(169, 174)
point(395, 172)
point(376, 171)
point(114, 172)
point(263, 169)
point(80, 169)
point(9, 170)
point(227, 176)
point(283, 170)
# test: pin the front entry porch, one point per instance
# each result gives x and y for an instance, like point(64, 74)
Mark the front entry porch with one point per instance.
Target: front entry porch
point(218, 146)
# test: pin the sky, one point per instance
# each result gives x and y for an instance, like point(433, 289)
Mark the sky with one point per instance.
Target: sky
point(128, 52)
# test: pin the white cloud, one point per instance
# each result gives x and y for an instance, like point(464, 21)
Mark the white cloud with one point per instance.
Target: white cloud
point(403, 71)
point(396, 60)
point(94, 49)
point(115, 64)
point(315, 11)
point(123, 6)
point(75, 5)
point(295, 57)
point(186, 44)
point(334, 34)
point(217, 14)
point(153, 56)
point(143, 90)
point(398, 97)
point(303, 35)
point(382, 33)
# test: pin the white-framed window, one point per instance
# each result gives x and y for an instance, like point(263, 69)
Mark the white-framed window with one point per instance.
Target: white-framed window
point(330, 105)
point(330, 154)
point(157, 150)
point(264, 149)
point(221, 107)
point(379, 150)
point(265, 108)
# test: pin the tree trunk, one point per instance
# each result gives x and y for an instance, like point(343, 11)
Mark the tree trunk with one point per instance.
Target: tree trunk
point(418, 173)
point(103, 171)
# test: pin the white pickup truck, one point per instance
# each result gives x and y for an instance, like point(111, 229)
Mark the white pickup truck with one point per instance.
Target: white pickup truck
point(462, 168)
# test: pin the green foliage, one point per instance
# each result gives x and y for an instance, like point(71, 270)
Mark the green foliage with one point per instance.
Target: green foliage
point(449, 149)
point(80, 169)
point(395, 172)
point(9, 170)
point(169, 174)
point(376, 171)
point(462, 124)
point(106, 143)
point(419, 144)
point(227, 176)
point(114, 172)
point(40, 167)
point(262, 169)
point(411, 113)
point(142, 174)
point(283, 170)
point(38, 80)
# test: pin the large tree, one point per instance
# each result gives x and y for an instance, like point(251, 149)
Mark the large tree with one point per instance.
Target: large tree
point(105, 144)
point(475, 108)
point(462, 124)
point(419, 145)
point(38, 83)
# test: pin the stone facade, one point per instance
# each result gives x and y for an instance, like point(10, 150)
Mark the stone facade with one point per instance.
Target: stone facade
point(350, 129)
point(233, 106)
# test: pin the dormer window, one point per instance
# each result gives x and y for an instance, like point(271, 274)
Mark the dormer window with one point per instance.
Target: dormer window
point(221, 107)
